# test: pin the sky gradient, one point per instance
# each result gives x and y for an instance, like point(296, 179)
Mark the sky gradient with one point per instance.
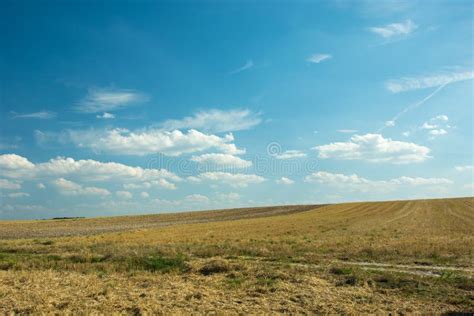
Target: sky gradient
point(113, 108)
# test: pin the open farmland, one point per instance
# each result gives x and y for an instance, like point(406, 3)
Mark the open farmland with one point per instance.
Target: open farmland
point(401, 256)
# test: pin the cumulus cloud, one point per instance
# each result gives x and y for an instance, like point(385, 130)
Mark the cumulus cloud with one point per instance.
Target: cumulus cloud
point(438, 132)
point(41, 115)
point(197, 198)
point(356, 183)
point(437, 125)
point(18, 167)
point(395, 29)
point(163, 183)
point(216, 121)
point(374, 148)
point(222, 160)
point(290, 154)
point(41, 186)
point(427, 81)
point(144, 195)
point(106, 100)
point(232, 197)
point(9, 185)
point(284, 180)
point(318, 58)
point(233, 179)
point(14, 166)
point(124, 195)
point(105, 116)
point(67, 187)
point(149, 141)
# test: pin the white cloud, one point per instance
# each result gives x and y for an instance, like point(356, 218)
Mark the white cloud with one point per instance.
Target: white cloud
point(390, 123)
point(222, 160)
point(163, 183)
point(233, 179)
point(67, 187)
point(144, 195)
point(41, 115)
point(248, 65)
point(290, 154)
point(9, 185)
point(427, 125)
point(423, 82)
point(106, 100)
point(150, 141)
point(41, 186)
point(395, 29)
point(229, 197)
point(406, 133)
point(317, 58)
point(284, 180)
point(216, 121)
point(14, 166)
point(436, 125)
point(441, 117)
point(464, 168)
point(105, 116)
point(197, 198)
point(17, 195)
point(438, 132)
point(356, 183)
point(124, 195)
point(93, 170)
point(413, 106)
point(347, 131)
point(374, 148)
point(22, 207)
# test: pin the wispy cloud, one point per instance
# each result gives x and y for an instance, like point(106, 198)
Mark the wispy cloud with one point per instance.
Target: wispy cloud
point(217, 121)
point(290, 154)
point(106, 100)
point(393, 121)
point(464, 168)
point(430, 81)
point(41, 115)
point(248, 65)
point(318, 58)
point(347, 131)
point(395, 29)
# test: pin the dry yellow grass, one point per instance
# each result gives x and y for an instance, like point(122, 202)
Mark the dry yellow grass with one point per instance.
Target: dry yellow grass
point(403, 256)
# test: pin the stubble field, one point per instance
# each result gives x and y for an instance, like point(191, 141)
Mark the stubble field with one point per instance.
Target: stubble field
point(401, 256)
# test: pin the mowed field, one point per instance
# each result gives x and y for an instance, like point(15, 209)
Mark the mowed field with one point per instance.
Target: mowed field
point(401, 256)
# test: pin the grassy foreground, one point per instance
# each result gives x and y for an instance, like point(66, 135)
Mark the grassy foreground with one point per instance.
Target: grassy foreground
point(403, 256)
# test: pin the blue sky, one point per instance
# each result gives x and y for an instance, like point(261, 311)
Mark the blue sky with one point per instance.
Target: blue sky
point(112, 108)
